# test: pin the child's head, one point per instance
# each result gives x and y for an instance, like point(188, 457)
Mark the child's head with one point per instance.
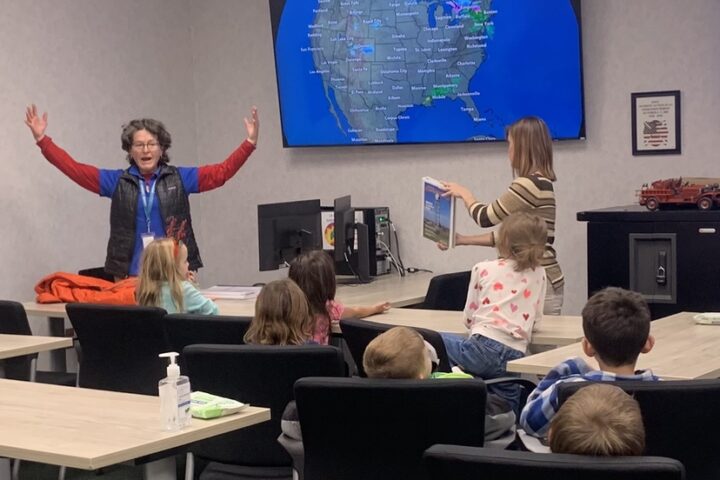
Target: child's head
point(522, 238)
point(163, 261)
point(530, 148)
point(398, 353)
point(314, 272)
point(282, 315)
point(600, 420)
point(616, 324)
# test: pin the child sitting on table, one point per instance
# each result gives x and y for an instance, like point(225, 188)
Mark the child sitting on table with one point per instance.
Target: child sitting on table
point(504, 303)
point(163, 280)
point(599, 420)
point(616, 324)
point(314, 272)
point(282, 316)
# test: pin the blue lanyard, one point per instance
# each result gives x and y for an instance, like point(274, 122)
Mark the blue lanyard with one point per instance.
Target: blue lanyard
point(147, 204)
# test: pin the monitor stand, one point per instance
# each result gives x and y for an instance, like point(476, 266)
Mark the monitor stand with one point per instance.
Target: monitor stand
point(359, 260)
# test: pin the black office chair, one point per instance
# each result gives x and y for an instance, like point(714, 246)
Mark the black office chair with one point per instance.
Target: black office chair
point(681, 420)
point(120, 346)
point(361, 428)
point(469, 463)
point(447, 292)
point(260, 375)
point(97, 272)
point(183, 329)
point(14, 321)
point(358, 333)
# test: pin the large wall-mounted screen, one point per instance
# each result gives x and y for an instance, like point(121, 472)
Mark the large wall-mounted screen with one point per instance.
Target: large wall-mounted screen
point(355, 72)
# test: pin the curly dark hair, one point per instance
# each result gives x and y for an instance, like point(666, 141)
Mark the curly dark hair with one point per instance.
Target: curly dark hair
point(155, 127)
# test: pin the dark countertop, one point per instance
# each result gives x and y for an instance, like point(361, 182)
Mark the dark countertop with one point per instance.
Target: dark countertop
point(638, 213)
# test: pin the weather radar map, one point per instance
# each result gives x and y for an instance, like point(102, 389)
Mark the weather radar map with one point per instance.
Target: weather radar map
point(389, 71)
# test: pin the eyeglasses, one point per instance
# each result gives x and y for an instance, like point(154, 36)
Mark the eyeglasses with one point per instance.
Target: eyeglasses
point(143, 146)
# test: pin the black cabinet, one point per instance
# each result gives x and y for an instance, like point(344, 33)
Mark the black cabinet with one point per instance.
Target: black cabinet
point(672, 257)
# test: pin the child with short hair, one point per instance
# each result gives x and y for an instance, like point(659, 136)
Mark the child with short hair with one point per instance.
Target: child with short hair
point(504, 304)
point(314, 272)
point(400, 352)
point(163, 280)
point(599, 420)
point(616, 324)
point(282, 316)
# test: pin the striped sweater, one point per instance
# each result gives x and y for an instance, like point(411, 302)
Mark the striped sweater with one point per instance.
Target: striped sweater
point(533, 194)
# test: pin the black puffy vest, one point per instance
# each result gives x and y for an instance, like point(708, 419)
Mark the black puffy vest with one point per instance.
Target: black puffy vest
point(173, 203)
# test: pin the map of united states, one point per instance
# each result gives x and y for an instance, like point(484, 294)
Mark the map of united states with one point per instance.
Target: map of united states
point(379, 59)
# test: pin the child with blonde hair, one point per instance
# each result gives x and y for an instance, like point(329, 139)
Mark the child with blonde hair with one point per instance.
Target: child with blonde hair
point(504, 303)
point(282, 316)
point(400, 352)
point(163, 280)
point(314, 272)
point(599, 420)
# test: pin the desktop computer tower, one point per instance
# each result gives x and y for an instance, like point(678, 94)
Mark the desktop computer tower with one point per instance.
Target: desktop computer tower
point(379, 239)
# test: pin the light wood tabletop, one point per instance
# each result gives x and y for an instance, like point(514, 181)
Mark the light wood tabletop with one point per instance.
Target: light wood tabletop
point(91, 429)
point(683, 350)
point(399, 291)
point(18, 345)
point(553, 330)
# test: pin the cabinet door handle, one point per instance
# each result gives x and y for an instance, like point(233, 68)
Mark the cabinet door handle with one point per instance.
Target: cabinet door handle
point(706, 230)
point(661, 273)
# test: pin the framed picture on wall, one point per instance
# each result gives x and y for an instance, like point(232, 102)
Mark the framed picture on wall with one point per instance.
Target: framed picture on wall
point(655, 122)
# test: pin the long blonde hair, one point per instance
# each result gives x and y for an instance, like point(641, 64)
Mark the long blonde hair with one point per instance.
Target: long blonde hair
point(160, 263)
point(282, 315)
point(532, 148)
point(522, 238)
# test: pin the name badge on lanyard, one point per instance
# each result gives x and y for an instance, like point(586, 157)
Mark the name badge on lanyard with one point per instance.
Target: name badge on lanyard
point(147, 194)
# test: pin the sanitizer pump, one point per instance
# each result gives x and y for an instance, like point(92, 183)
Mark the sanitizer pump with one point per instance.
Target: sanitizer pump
point(174, 393)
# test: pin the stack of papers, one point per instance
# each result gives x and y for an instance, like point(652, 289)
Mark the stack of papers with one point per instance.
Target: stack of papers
point(231, 292)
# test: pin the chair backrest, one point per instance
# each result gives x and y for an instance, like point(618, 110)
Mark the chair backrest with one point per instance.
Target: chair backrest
point(358, 333)
point(261, 375)
point(14, 321)
point(120, 346)
point(360, 428)
point(447, 291)
point(681, 420)
point(466, 463)
point(183, 329)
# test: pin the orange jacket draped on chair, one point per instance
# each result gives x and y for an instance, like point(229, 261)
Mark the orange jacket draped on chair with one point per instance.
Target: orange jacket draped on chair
point(69, 287)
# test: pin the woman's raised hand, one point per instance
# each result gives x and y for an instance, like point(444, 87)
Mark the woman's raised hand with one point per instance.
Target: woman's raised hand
point(253, 126)
point(37, 123)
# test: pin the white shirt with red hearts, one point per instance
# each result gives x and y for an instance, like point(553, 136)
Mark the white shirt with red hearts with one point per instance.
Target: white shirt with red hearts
point(503, 304)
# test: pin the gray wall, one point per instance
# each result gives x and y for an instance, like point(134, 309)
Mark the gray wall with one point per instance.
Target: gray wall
point(200, 66)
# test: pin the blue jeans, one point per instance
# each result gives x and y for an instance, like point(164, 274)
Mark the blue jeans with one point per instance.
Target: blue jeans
point(485, 358)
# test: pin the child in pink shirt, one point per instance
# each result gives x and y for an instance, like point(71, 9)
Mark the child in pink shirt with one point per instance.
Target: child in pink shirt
point(504, 303)
point(315, 273)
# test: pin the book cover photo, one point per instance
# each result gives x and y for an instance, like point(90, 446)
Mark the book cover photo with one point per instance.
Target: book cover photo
point(438, 213)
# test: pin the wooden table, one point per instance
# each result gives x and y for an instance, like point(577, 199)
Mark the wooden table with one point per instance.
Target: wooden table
point(399, 291)
point(18, 345)
point(91, 429)
point(553, 330)
point(683, 350)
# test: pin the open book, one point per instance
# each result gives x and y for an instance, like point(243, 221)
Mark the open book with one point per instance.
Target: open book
point(438, 213)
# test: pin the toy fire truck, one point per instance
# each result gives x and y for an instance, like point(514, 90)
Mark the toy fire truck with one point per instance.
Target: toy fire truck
point(703, 192)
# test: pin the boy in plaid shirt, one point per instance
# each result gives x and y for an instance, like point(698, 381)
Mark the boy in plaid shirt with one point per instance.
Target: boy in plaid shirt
point(616, 324)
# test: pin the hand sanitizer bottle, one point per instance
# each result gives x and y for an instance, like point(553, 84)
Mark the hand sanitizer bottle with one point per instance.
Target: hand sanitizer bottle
point(174, 393)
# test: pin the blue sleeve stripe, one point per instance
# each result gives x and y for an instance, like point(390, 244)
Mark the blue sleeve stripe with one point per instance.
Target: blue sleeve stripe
point(189, 176)
point(108, 181)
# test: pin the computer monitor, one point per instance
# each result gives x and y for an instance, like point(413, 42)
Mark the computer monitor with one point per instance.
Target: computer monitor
point(285, 230)
point(344, 218)
point(345, 230)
